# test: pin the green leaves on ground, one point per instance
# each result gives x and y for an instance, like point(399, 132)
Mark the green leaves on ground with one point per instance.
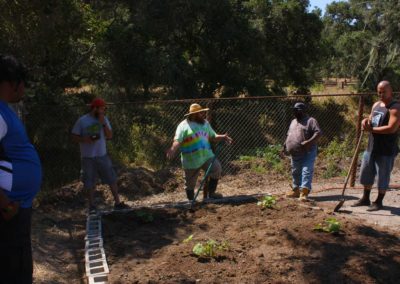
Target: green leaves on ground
point(211, 248)
point(267, 201)
point(330, 225)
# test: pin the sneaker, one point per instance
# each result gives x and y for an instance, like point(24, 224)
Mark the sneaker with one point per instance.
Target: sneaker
point(121, 206)
point(375, 207)
point(304, 194)
point(295, 193)
point(361, 202)
point(215, 195)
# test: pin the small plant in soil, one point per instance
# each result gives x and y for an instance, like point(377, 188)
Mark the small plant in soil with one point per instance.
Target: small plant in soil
point(188, 239)
point(330, 225)
point(268, 201)
point(211, 248)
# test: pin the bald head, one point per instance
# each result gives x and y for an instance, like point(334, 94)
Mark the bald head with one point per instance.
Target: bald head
point(385, 92)
point(385, 85)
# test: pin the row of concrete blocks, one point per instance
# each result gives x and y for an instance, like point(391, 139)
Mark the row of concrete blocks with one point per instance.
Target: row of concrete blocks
point(95, 258)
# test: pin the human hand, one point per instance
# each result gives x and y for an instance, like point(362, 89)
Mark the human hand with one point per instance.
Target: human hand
point(284, 151)
point(90, 139)
point(101, 117)
point(227, 139)
point(367, 125)
point(306, 144)
point(10, 210)
point(170, 153)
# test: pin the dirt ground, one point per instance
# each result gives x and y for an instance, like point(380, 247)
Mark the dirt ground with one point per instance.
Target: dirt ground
point(265, 246)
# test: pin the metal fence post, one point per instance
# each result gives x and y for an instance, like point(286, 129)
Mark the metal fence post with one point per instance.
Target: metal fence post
point(358, 133)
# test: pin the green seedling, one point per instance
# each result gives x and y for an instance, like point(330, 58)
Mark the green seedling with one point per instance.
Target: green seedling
point(210, 249)
point(188, 239)
point(145, 216)
point(267, 201)
point(330, 225)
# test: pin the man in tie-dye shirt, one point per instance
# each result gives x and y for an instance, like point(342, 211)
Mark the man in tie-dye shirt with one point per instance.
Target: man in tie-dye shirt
point(193, 138)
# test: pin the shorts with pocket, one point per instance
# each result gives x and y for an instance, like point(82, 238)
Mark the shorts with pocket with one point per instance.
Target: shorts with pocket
point(95, 168)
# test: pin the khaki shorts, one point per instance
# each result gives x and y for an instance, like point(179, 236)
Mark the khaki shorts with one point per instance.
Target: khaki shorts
point(93, 168)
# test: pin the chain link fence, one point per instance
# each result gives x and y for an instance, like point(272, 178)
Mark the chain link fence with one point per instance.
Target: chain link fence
point(144, 131)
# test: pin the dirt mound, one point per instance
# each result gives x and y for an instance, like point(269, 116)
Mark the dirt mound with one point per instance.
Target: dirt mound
point(260, 246)
point(134, 184)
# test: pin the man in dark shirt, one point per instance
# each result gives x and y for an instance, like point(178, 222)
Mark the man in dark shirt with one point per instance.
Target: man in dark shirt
point(382, 125)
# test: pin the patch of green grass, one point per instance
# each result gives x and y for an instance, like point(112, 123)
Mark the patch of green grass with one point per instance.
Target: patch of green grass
point(247, 158)
point(270, 156)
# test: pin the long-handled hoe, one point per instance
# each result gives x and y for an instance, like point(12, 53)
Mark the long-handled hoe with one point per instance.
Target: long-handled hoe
point(353, 161)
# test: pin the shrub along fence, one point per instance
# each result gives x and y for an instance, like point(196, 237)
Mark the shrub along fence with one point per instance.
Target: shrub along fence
point(143, 131)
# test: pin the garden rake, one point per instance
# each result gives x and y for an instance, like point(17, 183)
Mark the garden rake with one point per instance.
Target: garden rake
point(353, 161)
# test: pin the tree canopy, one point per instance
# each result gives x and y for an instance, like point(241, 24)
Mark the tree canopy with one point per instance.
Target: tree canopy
point(161, 49)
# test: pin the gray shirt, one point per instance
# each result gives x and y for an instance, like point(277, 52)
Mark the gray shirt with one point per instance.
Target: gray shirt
point(88, 125)
point(300, 131)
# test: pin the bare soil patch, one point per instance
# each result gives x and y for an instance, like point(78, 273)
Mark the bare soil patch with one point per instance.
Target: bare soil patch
point(270, 246)
point(265, 246)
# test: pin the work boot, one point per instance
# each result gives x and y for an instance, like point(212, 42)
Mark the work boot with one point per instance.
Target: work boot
point(375, 206)
point(361, 202)
point(294, 193)
point(190, 194)
point(212, 188)
point(304, 194)
point(364, 200)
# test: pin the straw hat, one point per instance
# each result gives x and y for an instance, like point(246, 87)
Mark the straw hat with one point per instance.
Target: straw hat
point(196, 108)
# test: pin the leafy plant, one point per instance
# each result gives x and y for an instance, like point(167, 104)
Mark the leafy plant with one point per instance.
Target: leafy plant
point(210, 249)
point(267, 201)
point(330, 225)
point(335, 152)
point(263, 159)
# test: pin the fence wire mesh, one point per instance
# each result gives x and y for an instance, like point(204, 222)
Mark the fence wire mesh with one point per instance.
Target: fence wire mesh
point(144, 131)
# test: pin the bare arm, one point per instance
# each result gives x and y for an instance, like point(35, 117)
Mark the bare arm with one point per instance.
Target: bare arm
point(222, 137)
point(171, 152)
point(107, 130)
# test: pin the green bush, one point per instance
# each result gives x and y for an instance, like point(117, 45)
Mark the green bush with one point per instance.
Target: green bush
point(334, 155)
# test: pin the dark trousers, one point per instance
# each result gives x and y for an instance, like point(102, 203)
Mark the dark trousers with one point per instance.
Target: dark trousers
point(15, 248)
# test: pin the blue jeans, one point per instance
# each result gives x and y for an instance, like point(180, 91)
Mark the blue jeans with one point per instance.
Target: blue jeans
point(303, 168)
point(376, 165)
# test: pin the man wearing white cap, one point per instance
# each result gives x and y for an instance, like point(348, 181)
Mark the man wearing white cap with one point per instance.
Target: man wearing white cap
point(193, 138)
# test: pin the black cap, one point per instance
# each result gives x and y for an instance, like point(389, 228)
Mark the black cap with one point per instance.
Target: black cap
point(299, 106)
point(11, 70)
